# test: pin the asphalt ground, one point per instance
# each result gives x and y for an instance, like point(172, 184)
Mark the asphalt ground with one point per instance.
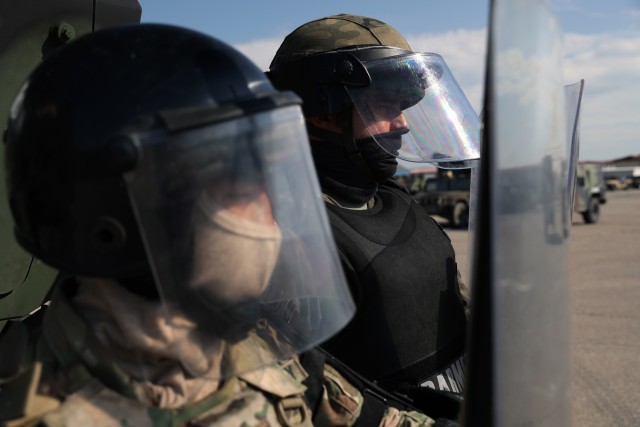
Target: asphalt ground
point(605, 318)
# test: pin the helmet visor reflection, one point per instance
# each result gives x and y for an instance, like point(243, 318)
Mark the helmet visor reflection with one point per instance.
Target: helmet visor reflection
point(440, 126)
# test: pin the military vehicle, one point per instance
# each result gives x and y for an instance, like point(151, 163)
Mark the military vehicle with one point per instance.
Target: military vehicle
point(29, 32)
point(446, 195)
point(590, 191)
point(440, 192)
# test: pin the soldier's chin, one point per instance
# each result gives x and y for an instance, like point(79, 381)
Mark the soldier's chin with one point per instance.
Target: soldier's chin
point(391, 142)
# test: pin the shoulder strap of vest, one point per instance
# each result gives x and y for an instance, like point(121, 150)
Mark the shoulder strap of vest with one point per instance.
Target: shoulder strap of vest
point(395, 184)
point(343, 235)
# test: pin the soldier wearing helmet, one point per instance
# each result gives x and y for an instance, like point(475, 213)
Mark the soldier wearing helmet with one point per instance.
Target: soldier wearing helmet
point(154, 166)
point(368, 99)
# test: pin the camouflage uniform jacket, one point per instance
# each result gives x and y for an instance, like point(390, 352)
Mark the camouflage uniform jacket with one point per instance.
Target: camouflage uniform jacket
point(64, 381)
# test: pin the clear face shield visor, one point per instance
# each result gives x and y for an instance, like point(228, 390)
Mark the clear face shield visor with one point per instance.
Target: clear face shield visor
point(432, 120)
point(238, 240)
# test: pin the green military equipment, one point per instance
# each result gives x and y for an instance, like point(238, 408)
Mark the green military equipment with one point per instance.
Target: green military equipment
point(590, 191)
point(29, 32)
point(448, 195)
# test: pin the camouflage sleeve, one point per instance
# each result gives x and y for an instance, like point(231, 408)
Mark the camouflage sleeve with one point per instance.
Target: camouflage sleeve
point(465, 293)
point(342, 403)
point(396, 418)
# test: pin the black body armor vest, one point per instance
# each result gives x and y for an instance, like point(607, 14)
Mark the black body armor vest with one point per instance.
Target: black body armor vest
point(400, 264)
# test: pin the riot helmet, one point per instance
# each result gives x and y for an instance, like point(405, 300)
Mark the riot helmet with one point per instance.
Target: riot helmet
point(345, 62)
point(157, 150)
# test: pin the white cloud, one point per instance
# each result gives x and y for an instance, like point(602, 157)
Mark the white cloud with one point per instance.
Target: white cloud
point(610, 66)
point(261, 51)
point(609, 63)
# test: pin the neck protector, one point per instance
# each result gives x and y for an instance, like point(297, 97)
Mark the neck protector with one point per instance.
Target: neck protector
point(341, 174)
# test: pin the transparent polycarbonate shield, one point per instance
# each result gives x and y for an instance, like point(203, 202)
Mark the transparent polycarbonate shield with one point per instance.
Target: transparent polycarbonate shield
point(237, 236)
point(432, 118)
point(474, 185)
point(573, 101)
point(527, 279)
point(474, 190)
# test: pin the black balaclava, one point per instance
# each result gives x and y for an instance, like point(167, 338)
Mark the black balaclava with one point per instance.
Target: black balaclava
point(351, 175)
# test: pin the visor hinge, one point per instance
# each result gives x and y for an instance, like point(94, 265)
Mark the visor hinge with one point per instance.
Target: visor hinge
point(350, 71)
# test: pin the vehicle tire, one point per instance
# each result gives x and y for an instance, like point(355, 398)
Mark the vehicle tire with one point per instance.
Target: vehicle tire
point(460, 215)
point(592, 214)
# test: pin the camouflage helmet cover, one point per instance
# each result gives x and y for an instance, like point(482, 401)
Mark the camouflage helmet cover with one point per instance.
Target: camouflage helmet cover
point(337, 32)
point(319, 58)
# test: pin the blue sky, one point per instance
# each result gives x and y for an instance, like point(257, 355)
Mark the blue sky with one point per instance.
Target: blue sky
point(601, 42)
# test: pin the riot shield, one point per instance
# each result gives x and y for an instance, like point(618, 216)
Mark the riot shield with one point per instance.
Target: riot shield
point(573, 102)
point(29, 32)
point(518, 348)
point(474, 183)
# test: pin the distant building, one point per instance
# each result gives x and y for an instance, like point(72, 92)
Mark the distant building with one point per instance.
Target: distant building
point(625, 161)
point(626, 170)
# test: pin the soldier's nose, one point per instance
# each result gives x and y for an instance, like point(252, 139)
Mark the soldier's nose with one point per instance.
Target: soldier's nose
point(399, 122)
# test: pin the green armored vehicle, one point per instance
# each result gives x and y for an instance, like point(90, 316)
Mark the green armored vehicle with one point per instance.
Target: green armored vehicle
point(29, 32)
point(447, 195)
point(590, 191)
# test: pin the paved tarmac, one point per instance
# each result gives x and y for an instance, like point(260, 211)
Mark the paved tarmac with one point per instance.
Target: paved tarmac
point(605, 314)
